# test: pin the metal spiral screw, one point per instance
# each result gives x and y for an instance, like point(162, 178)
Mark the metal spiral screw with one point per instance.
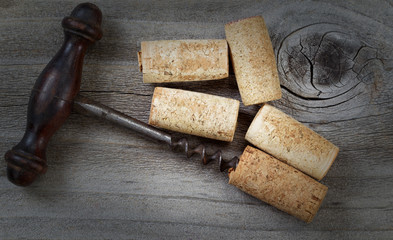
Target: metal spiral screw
point(205, 158)
point(89, 107)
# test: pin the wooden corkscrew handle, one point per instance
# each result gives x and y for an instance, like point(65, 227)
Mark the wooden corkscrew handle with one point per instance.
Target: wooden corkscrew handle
point(52, 96)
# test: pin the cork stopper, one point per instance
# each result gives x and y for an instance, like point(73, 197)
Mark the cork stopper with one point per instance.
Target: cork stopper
point(278, 184)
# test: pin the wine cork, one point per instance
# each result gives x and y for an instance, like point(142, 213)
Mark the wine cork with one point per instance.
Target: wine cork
point(253, 60)
point(194, 113)
point(183, 60)
point(278, 184)
point(290, 141)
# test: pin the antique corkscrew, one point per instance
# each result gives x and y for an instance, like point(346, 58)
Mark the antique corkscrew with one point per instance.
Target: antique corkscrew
point(55, 94)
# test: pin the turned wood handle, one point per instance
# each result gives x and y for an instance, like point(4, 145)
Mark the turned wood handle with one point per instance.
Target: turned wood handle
point(52, 95)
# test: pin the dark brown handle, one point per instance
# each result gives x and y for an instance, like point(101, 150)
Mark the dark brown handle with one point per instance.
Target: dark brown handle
point(52, 95)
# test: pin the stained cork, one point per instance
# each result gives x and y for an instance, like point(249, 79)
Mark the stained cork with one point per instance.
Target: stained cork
point(183, 60)
point(278, 184)
point(253, 60)
point(290, 141)
point(194, 113)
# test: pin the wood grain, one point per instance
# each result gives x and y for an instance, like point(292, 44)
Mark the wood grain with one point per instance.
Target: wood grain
point(335, 66)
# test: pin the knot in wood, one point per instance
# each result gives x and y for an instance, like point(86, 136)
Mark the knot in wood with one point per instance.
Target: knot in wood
point(325, 61)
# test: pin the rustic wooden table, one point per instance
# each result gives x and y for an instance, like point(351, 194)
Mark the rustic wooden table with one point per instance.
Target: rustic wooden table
point(336, 69)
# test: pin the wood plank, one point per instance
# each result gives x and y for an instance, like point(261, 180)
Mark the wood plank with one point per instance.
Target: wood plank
point(335, 66)
point(119, 45)
point(146, 208)
point(32, 228)
point(82, 167)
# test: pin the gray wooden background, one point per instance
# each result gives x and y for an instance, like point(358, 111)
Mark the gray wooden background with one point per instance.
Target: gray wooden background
point(336, 70)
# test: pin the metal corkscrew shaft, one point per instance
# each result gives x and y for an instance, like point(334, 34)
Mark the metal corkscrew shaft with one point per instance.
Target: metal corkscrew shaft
point(89, 107)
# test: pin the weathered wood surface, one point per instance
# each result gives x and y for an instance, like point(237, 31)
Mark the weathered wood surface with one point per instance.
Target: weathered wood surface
point(336, 68)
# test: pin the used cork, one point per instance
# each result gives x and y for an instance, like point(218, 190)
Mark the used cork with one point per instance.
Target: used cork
point(278, 184)
point(290, 141)
point(194, 113)
point(183, 60)
point(253, 60)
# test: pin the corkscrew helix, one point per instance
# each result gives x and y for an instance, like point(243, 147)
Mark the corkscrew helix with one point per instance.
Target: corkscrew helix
point(205, 158)
point(89, 107)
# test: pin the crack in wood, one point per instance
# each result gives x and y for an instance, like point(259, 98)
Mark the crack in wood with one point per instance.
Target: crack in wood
point(311, 68)
point(347, 120)
point(117, 92)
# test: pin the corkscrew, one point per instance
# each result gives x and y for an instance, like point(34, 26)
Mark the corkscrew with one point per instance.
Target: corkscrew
point(89, 107)
point(56, 90)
